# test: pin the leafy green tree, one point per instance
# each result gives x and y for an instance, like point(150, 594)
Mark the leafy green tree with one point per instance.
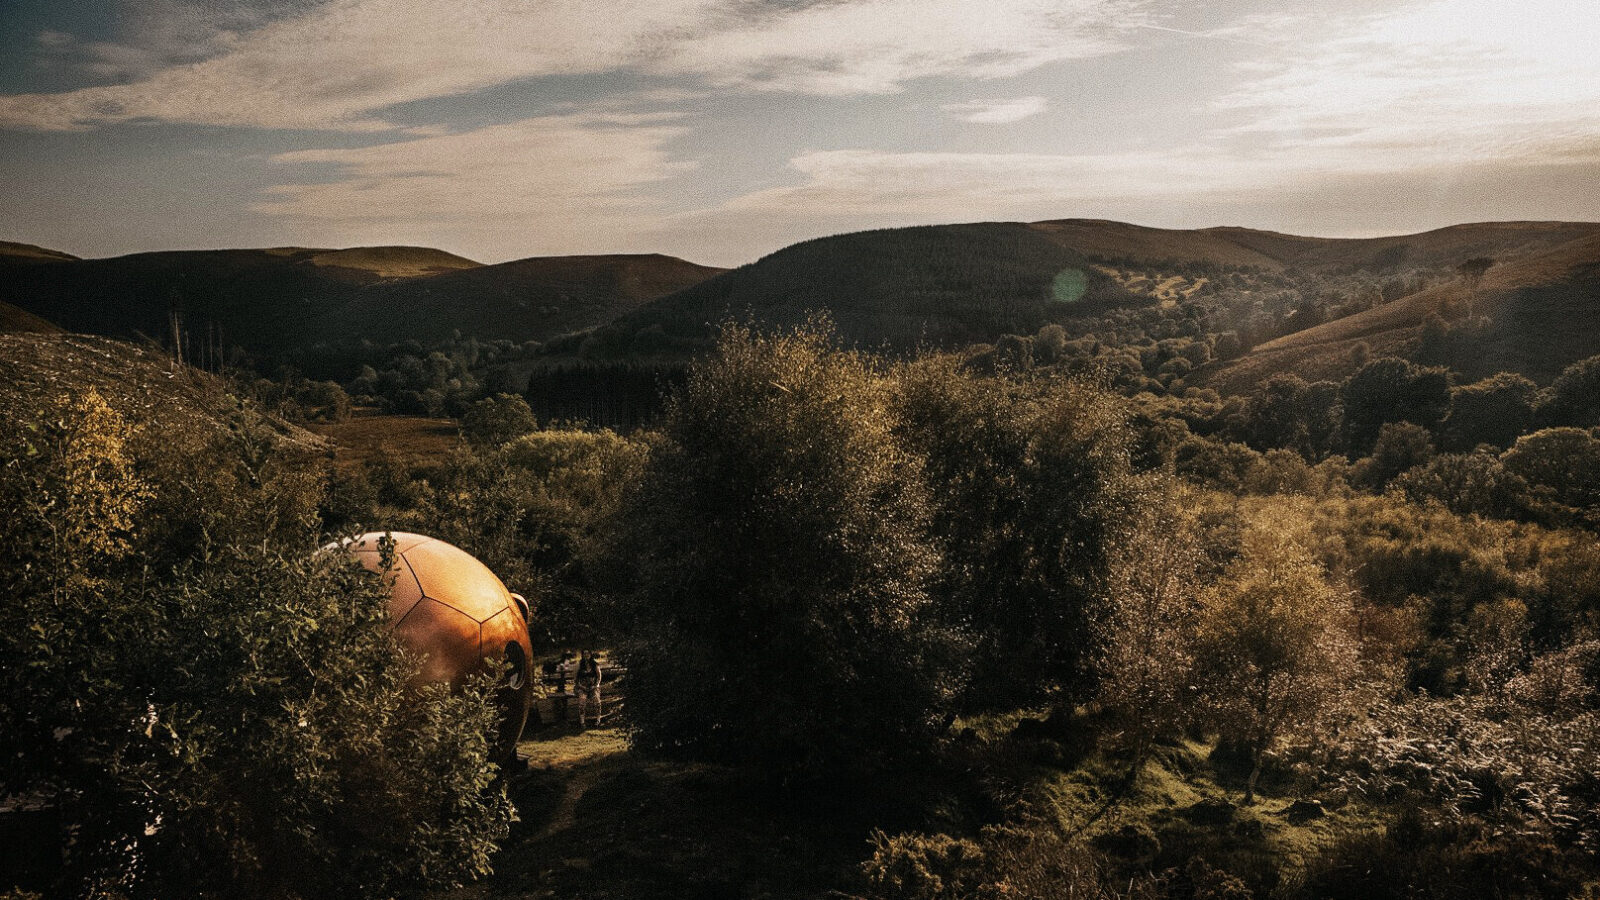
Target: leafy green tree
point(72, 495)
point(238, 721)
point(1472, 272)
point(494, 420)
point(1287, 412)
point(1392, 390)
point(1273, 645)
point(1492, 411)
point(1562, 464)
point(530, 509)
point(771, 568)
point(1400, 446)
point(1574, 397)
point(1222, 465)
point(1145, 660)
point(1034, 492)
point(1475, 483)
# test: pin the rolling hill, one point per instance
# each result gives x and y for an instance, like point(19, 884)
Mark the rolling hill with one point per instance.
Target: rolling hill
point(953, 284)
point(281, 299)
point(10, 251)
point(946, 285)
point(1535, 314)
point(940, 285)
point(534, 298)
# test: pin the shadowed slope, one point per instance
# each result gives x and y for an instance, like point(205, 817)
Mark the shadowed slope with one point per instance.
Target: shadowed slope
point(534, 298)
point(282, 299)
point(15, 320)
point(952, 284)
point(11, 251)
point(941, 285)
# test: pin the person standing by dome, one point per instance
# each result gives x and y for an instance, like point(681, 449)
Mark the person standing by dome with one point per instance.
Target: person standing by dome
point(587, 685)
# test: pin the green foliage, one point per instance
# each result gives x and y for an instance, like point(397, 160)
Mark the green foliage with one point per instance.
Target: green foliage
point(1467, 484)
point(219, 717)
point(242, 486)
point(1287, 412)
point(1392, 390)
point(72, 496)
point(1222, 465)
point(1144, 660)
point(529, 509)
point(1272, 646)
point(1400, 447)
point(1574, 397)
point(1492, 411)
point(770, 570)
point(1562, 465)
point(1034, 491)
point(298, 399)
point(494, 420)
point(1026, 860)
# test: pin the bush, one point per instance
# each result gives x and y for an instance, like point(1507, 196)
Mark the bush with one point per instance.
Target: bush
point(770, 571)
point(1392, 390)
point(493, 421)
point(1492, 411)
point(1034, 492)
point(1030, 859)
point(1272, 645)
point(1562, 465)
point(237, 722)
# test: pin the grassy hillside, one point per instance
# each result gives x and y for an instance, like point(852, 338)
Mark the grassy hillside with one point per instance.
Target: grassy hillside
point(12, 251)
point(142, 383)
point(1440, 247)
point(525, 299)
point(1533, 314)
point(391, 262)
point(1122, 241)
point(13, 319)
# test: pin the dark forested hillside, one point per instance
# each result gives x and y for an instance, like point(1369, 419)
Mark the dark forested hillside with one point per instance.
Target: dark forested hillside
point(279, 300)
point(939, 285)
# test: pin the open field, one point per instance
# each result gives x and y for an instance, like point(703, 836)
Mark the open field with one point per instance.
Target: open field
point(409, 440)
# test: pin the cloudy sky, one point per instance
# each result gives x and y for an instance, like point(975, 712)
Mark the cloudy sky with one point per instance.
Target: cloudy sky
point(720, 130)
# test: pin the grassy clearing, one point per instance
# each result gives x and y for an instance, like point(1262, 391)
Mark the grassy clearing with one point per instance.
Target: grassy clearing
point(598, 820)
point(1186, 804)
point(409, 440)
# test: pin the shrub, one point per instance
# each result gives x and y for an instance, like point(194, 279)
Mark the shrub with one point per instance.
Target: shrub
point(1272, 647)
point(237, 721)
point(1392, 390)
point(1492, 411)
point(770, 571)
point(1034, 490)
point(494, 420)
point(1561, 465)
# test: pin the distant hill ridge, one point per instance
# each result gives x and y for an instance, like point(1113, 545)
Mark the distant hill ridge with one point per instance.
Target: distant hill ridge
point(945, 285)
point(14, 251)
point(954, 284)
point(279, 299)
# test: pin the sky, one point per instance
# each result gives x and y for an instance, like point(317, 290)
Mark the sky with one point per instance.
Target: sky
point(722, 130)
